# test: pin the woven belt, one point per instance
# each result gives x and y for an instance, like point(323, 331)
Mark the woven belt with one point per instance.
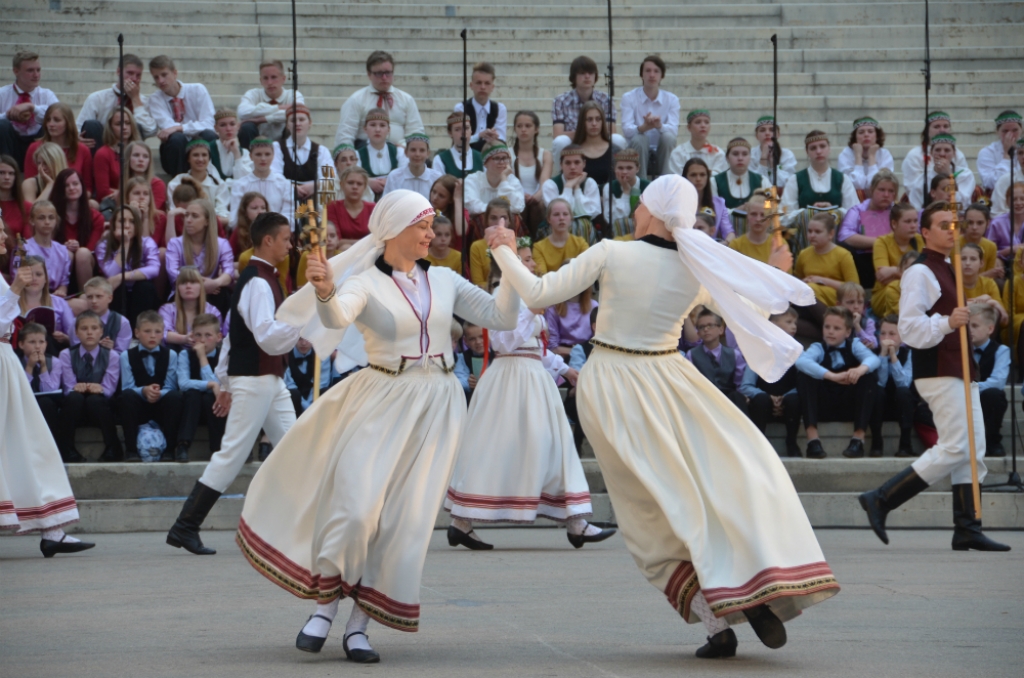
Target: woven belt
point(633, 351)
point(402, 366)
point(534, 356)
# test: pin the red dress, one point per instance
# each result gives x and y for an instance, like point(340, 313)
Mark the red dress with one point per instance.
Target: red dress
point(82, 163)
point(13, 220)
point(71, 231)
point(106, 170)
point(159, 189)
point(349, 228)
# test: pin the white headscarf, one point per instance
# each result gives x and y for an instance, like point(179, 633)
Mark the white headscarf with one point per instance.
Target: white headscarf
point(395, 212)
point(727, 275)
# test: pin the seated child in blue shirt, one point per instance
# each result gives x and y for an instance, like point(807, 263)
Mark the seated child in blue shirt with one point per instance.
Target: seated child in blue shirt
point(199, 385)
point(895, 395)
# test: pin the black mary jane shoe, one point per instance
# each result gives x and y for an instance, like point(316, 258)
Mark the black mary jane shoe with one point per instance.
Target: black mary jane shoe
point(50, 548)
point(722, 645)
point(578, 540)
point(359, 656)
point(311, 643)
point(767, 626)
point(457, 537)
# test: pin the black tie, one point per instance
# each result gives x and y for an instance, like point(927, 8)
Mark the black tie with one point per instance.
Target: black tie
point(88, 368)
point(36, 385)
point(713, 359)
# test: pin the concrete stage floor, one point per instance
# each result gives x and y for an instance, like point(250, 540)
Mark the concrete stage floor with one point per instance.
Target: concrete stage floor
point(137, 608)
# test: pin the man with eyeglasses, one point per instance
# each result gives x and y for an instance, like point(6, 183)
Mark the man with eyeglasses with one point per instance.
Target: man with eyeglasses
point(380, 93)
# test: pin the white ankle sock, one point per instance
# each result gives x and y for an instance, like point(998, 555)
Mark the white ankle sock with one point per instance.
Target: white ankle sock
point(357, 623)
point(321, 627)
point(462, 524)
point(713, 624)
point(56, 534)
point(579, 525)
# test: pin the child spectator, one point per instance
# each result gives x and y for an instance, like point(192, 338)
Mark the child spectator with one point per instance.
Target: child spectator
point(698, 123)
point(90, 373)
point(760, 154)
point(379, 95)
point(891, 292)
point(978, 289)
point(824, 265)
point(778, 400)
point(832, 384)
point(916, 162)
point(625, 188)
point(106, 162)
point(851, 297)
point(451, 158)
point(51, 161)
point(705, 223)
point(44, 374)
point(580, 191)
point(277, 191)
point(993, 370)
point(888, 252)
point(302, 165)
point(379, 157)
point(943, 161)
point(117, 332)
point(149, 388)
point(736, 185)
point(199, 385)
point(197, 155)
point(864, 155)
point(532, 166)
point(189, 303)
point(565, 109)
point(12, 202)
point(1000, 193)
point(569, 323)
point(496, 181)
point(43, 219)
point(230, 159)
point(994, 160)
point(415, 175)
point(446, 199)
point(560, 245)
point(201, 247)
point(479, 256)
point(469, 362)
point(181, 111)
point(298, 377)
point(488, 119)
point(976, 221)
point(863, 224)
point(722, 365)
point(141, 265)
point(99, 105)
point(697, 173)
point(756, 243)
point(23, 106)
point(650, 118)
point(139, 194)
point(351, 214)
point(59, 128)
point(817, 186)
point(39, 306)
point(79, 226)
point(174, 225)
point(262, 109)
point(999, 229)
point(140, 164)
point(592, 136)
point(251, 206)
point(345, 156)
point(1015, 306)
point(441, 252)
point(895, 376)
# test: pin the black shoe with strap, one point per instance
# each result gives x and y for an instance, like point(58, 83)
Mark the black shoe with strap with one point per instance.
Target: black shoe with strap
point(892, 494)
point(185, 532)
point(967, 532)
point(308, 643)
point(360, 656)
point(50, 548)
point(855, 450)
point(815, 450)
point(722, 645)
point(457, 537)
point(578, 540)
point(767, 626)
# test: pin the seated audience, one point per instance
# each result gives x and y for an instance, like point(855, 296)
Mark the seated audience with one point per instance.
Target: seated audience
point(569, 323)
point(993, 370)
point(975, 224)
point(45, 377)
point(198, 156)
point(532, 166)
point(915, 163)
point(978, 289)
point(189, 303)
point(200, 246)
point(888, 251)
point(864, 154)
point(498, 210)
point(777, 400)
point(117, 330)
point(496, 181)
point(79, 226)
point(139, 194)
point(994, 160)
point(13, 205)
point(23, 105)
point(1000, 201)
point(895, 400)
point(851, 297)
point(106, 162)
point(592, 136)
point(182, 111)
point(136, 276)
point(199, 386)
point(43, 220)
point(756, 243)
point(625, 189)
point(277, 192)
point(488, 119)
point(98, 106)
point(942, 161)
point(580, 191)
point(817, 187)
point(298, 376)
point(441, 253)
point(59, 128)
point(999, 230)
point(332, 246)
point(446, 199)
point(760, 153)
point(824, 266)
point(698, 124)
point(469, 362)
point(560, 245)
point(345, 156)
point(90, 376)
point(415, 175)
point(697, 173)
point(736, 184)
point(565, 109)
point(891, 292)
point(379, 157)
point(722, 365)
point(650, 119)
point(302, 165)
point(379, 94)
point(351, 214)
point(140, 164)
point(864, 223)
point(39, 306)
point(262, 109)
point(451, 158)
point(229, 158)
point(50, 160)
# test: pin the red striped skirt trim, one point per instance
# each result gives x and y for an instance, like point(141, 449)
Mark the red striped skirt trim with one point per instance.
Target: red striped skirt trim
point(488, 502)
point(769, 584)
point(39, 512)
point(682, 586)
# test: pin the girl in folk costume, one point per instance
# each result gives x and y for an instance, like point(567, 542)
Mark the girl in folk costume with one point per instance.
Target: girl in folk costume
point(864, 154)
point(887, 253)
point(532, 166)
point(533, 470)
point(697, 173)
point(824, 266)
point(189, 302)
point(197, 155)
point(379, 157)
point(35, 494)
point(704, 503)
point(301, 159)
point(943, 161)
point(994, 160)
point(736, 185)
point(760, 154)
point(311, 523)
point(916, 162)
point(345, 156)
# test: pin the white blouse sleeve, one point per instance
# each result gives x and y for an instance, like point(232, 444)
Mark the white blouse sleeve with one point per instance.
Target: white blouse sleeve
point(506, 341)
point(919, 290)
point(499, 312)
point(343, 309)
point(572, 278)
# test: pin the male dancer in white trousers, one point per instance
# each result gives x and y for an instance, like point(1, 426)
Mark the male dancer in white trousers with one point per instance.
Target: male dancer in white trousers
point(929, 323)
point(251, 371)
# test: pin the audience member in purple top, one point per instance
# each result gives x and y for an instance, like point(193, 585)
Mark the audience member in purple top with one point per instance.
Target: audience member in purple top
point(697, 173)
point(189, 298)
point(569, 323)
point(32, 342)
point(141, 263)
point(867, 221)
point(200, 247)
point(851, 297)
point(37, 294)
point(1001, 224)
point(43, 218)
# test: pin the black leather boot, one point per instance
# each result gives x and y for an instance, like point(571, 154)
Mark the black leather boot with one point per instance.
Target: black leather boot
point(185, 533)
point(722, 645)
point(893, 493)
point(967, 532)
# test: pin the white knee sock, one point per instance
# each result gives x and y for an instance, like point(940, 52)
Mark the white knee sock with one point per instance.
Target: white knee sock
point(321, 627)
point(357, 622)
point(56, 534)
point(579, 525)
point(714, 624)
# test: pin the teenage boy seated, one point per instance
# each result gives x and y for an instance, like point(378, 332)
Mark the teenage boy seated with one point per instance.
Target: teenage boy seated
point(23, 106)
point(451, 158)
point(698, 124)
point(488, 119)
point(99, 105)
point(736, 185)
point(575, 187)
point(895, 395)
point(298, 157)
point(298, 377)
point(149, 387)
point(380, 94)
point(379, 157)
point(817, 186)
point(993, 369)
point(625, 189)
point(227, 155)
point(415, 176)
point(722, 365)
point(468, 363)
point(262, 109)
point(117, 332)
point(832, 383)
point(650, 119)
point(44, 374)
point(89, 373)
point(565, 109)
point(199, 386)
point(778, 400)
point(181, 111)
point(263, 180)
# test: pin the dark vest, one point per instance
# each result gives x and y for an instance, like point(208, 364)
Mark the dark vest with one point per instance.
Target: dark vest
point(448, 160)
point(49, 368)
point(246, 358)
point(113, 326)
point(307, 171)
point(142, 377)
point(364, 159)
point(722, 182)
point(469, 107)
point(808, 196)
point(194, 370)
point(99, 366)
point(987, 362)
point(943, 359)
point(617, 187)
point(721, 375)
point(845, 350)
point(781, 387)
point(303, 380)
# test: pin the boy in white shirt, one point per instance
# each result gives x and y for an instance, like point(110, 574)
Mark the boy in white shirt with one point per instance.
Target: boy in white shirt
point(698, 123)
point(488, 119)
point(379, 157)
point(181, 111)
point(400, 106)
point(23, 106)
point(451, 158)
point(99, 105)
point(263, 180)
point(575, 187)
point(230, 159)
point(301, 159)
point(415, 176)
point(760, 155)
point(650, 118)
point(262, 109)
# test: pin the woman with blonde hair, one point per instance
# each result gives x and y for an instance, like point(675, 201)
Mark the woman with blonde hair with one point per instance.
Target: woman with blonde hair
point(189, 301)
point(59, 128)
point(50, 161)
point(201, 247)
point(107, 163)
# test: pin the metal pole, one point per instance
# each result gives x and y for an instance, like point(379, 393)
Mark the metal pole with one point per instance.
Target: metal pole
point(465, 144)
point(927, 88)
point(611, 104)
point(124, 170)
point(295, 103)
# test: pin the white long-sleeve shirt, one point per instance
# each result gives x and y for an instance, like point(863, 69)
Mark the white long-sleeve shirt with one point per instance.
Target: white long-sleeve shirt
point(992, 165)
point(479, 192)
point(99, 105)
point(404, 178)
point(820, 183)
point(323, 156)
point(405, 116)
point(41, 98)
point(526, 337)
point(233, 169)
point(787, 165)
point(198, 109)
point(500, 122)
point(919, 290)
point(275, 188)
point(964, 186)
point(256, 104)
point(584, 201)
point(913, 167)
point(861, 174)
point(217, 190)
point(636, 104)
point(712, 155)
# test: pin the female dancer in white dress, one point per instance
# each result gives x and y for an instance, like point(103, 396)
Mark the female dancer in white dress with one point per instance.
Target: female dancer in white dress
point(346, 504)
point(704, 503)
point(517, 459)
point(35, 495)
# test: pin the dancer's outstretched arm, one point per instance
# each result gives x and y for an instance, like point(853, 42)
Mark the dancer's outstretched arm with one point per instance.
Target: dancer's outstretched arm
point(499, 312)
point(551, 288)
